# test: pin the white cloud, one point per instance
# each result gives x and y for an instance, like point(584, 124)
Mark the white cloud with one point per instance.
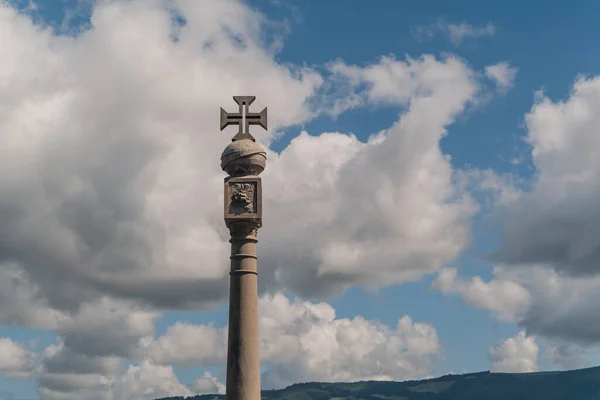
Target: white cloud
point(94, 344)
point(558, 222)
point(190, 345)
point(149, 381)
point(456, 32)
point(559, 308)
point(394, 82)
point(562, 307)
point(349, 205)
point(89, 361)
point(303, 341)
point(551, 244)
point(207, 384)
point(515, 354)
point(459, 32)
point(112, 133)
point(494, 192)
point(115, 191)
point(508, 299)
point(107, 328)
point(16, 361)
point(112, 211)
point(21, 302)
point(502, 74)
point(300, 341)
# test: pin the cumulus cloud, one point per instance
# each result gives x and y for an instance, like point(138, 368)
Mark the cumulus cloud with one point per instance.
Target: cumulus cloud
point(91, 358)
point(346, 223)
point(551, 243)
point(326, 348)
point(107, 328)
point(21, 302)
point(112, 190)
point(149, 381)
point(190, 345)
point(508, 299)
point(456, 32)
point(515, 354)
point(115, 189)
point(300, 341)
point(207, 384)
point(16, 361)
point(93, 346)
point(562, 307)
point(304, 341)
point(502, 74)
point(547, 304)
point(550, 247)
point(111, 208)
point(143, 381)
point(558, 222)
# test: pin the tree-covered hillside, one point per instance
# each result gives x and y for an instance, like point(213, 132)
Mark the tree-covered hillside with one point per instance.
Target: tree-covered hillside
point(583, 384)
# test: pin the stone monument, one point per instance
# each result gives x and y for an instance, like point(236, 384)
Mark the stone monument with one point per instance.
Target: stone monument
point(243, 160)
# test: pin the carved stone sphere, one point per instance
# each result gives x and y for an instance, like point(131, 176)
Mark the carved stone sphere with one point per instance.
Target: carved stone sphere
point(243, 157)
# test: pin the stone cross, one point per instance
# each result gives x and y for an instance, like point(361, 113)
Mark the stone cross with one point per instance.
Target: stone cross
point(244, 118)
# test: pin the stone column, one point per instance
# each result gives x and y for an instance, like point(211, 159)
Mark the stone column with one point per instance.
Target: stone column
point(243, 160)
point(243, 359)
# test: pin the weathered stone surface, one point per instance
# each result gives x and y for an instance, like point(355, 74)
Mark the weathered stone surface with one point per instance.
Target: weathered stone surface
point(243, 358)
point(243, 200)
point(243, 157)
point(243, 160)
point(244, 118)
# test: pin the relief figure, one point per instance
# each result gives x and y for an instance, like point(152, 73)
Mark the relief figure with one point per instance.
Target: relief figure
point(242, 198)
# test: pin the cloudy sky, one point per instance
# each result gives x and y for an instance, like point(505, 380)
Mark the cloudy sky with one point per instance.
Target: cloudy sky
point(430, 197)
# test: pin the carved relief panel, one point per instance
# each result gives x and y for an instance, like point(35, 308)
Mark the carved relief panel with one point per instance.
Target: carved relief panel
point(243, 200)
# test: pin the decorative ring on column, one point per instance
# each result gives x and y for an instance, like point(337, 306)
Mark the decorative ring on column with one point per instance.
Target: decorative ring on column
point(245, 239)
point(243, 255)
point(243, 271)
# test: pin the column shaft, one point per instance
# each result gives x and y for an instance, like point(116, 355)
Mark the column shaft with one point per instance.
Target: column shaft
point(243, 361)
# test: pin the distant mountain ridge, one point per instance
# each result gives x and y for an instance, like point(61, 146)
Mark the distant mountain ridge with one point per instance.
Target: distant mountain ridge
point(582, 384)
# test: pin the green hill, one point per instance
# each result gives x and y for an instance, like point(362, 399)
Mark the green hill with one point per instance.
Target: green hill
point(583, 384)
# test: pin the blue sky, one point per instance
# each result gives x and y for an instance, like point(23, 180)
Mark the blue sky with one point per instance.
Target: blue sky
point(549, 44)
